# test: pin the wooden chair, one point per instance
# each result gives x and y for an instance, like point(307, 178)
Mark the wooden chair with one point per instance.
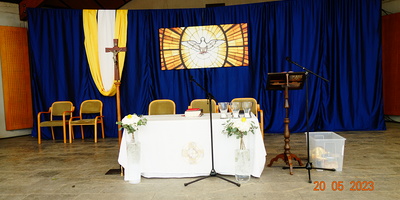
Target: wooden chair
point(256, 110)
point(203, 104)
point(162, 107)
point(90, 113)
point(59, 112)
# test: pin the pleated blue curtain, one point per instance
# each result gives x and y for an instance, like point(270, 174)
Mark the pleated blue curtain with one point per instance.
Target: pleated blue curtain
point(59, 68)
point(353, 61)
point(337, 39)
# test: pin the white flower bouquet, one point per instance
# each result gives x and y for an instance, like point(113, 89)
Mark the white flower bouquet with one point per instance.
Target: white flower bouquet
point(239, 128)
point(132, 122)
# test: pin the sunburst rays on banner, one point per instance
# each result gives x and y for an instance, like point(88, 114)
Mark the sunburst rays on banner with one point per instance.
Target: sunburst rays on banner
point(211, 46)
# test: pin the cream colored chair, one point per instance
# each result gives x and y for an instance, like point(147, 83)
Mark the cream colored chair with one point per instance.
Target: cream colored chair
point(60, 112)
point(91, 113)
point(203, 104)
point(162, 107)
point(256, 110)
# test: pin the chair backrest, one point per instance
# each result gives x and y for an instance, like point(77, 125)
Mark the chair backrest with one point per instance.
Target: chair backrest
point(254, 106)
point(162, 107)
point(59, 107)
point(92, 106)
point(203, 104)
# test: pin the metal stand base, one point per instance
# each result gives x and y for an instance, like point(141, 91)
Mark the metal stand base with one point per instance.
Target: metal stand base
point(212, 174)
point(309, 167)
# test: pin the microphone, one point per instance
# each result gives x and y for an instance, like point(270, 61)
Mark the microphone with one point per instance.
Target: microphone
point(289, 59)
point(191, 78)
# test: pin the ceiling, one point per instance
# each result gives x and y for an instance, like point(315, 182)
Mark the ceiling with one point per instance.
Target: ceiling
point(68, 4)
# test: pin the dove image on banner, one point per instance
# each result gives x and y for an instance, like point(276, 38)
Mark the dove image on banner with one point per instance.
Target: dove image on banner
point(210, 46)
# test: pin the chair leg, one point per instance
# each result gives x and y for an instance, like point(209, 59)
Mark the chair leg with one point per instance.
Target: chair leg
point(39, 136)
point(95, 132)
point(71, 133)
point(38, 130)
point(83, 134)
point(65, 133)
point(102, 129)
point(262, 130)
point(52, 133)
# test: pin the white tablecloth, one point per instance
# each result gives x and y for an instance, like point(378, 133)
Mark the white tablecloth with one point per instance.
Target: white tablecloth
point(178, 146)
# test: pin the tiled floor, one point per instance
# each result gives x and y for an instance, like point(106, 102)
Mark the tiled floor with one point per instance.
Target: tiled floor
point(55, 170)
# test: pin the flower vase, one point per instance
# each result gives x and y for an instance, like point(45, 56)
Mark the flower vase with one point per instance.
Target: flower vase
point(242, 164)
point(133, 170)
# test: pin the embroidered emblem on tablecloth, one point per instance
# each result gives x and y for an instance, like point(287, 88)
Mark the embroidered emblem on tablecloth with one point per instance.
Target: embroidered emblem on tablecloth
point(192, 153)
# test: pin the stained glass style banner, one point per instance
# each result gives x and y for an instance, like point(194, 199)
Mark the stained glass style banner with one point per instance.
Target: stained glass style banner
point(204, 46)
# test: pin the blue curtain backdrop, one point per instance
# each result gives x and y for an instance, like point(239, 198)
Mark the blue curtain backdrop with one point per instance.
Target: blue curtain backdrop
point(337, 39)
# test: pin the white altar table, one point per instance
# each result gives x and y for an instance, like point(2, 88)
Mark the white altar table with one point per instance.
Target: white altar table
point(177, 146)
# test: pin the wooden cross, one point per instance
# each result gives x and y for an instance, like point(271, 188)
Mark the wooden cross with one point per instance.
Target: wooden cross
point(115, 50)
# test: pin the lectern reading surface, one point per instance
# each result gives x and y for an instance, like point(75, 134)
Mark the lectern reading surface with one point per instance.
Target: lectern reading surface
point(286, 81)
point(292, 80)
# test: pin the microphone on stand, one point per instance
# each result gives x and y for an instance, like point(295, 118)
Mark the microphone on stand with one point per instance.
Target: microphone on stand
point(290, 61)
point(305, 69)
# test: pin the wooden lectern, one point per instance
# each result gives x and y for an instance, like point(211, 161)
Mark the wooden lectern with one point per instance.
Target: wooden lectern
point(286, 81)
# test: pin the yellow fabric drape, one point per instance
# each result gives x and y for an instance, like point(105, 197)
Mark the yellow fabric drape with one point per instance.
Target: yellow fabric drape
point(91, 45)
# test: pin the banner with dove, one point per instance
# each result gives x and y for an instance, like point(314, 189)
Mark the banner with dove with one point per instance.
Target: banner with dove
point(210, 46)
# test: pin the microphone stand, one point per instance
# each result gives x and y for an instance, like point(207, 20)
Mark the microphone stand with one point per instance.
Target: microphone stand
point(309, 164)
point(213, 173)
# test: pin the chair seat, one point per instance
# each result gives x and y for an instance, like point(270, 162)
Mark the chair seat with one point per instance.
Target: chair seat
point(52, 123)
point(83, 121)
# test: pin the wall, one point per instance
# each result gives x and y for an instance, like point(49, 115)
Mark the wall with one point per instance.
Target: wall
point(9, 16)
point(172, 4)
point(391, 6)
